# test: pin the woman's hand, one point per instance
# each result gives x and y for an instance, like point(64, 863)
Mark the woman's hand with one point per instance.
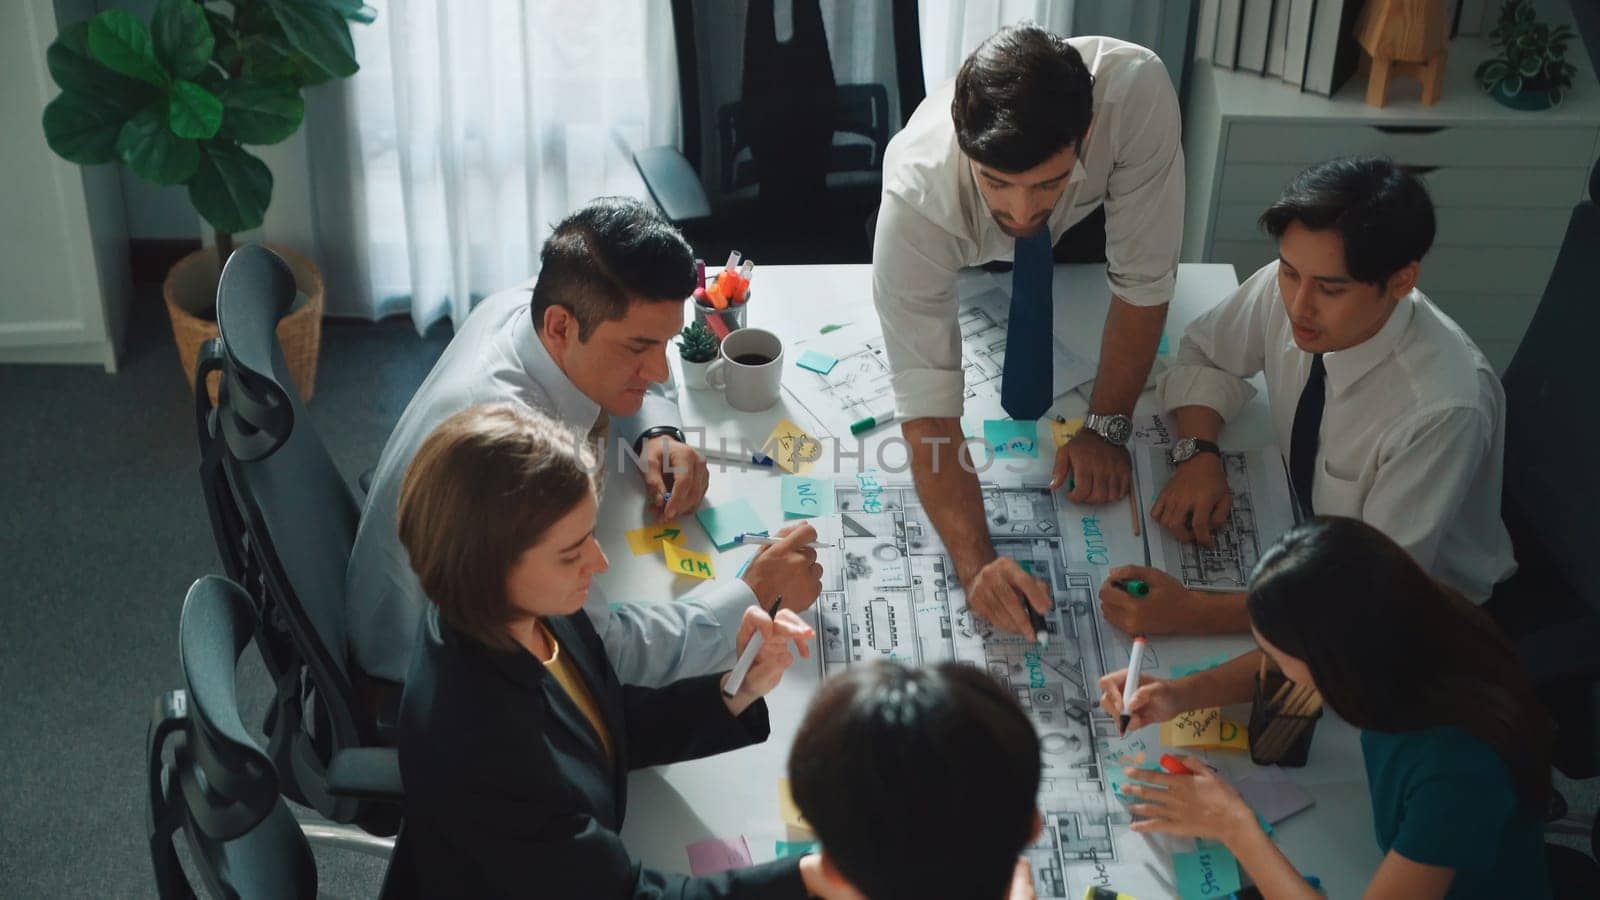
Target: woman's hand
point(1201, 805)
point(1155, 700)
point(773, 657)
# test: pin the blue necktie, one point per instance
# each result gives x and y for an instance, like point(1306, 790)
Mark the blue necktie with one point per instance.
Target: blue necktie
point(1028, 381)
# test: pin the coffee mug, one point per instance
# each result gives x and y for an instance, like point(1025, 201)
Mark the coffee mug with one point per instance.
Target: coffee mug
point(749, 370)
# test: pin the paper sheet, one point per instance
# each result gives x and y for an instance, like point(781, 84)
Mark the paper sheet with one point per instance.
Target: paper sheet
point(715, 855)
point(804, 498)
point(1205, 874)
point(1011, 437)
point(792, 448)
point(684, 561)
point(1195, 728)
point(648, 539)
point(1272, 794)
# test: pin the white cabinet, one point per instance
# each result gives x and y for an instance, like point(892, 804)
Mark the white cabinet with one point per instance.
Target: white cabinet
point(1504, 182)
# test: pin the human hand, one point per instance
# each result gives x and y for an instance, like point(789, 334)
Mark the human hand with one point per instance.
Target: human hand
point(1167, 608)
point(664, 459)
point(1021, 881)
point(1196, 500)
point(998, 590)
point(787, 569)
point(772, 658)
point(1201, 805)
point(1154, 700)
point(1100, 471)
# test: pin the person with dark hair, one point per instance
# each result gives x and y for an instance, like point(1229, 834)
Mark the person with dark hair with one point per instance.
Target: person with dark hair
point(1457, 747)
point(515, 733)
point(585, 343)
point(1388, 412)
point(890, 761)
point(1036, 134)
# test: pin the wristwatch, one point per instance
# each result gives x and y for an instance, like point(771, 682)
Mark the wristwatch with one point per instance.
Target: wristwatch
point(655, 432)
point(1115, 428)
point(1185, 449)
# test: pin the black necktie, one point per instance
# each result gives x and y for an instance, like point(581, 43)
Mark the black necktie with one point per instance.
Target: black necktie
point(1303, 437)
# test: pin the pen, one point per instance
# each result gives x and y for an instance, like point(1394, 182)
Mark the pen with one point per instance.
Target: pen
point(751, 537)
point(700, 274)
point(748, 657)
point(734, 456)
point(1131, 684)
point(861, 426)
point(1133, 586)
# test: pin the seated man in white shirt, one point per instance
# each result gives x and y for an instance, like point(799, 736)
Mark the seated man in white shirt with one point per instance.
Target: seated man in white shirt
point(1035, 134)
point(1388, 412)
point(586, 340)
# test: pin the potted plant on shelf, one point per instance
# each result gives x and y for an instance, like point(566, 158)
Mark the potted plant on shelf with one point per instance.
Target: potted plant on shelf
point(178, 101)
point(1531, 71)
point(697, 347)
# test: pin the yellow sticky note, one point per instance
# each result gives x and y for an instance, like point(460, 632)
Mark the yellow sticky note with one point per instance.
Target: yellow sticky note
point(788, 811)
point(791, 448)
point(684, 561)
point(1195, 728)
point(1232, 736)
point(1064, 430)
point(649, 538)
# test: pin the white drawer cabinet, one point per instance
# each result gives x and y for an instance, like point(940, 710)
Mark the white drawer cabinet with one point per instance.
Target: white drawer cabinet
point(1504, 182)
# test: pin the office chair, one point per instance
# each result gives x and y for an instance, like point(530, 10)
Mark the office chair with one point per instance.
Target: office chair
point(284, 521)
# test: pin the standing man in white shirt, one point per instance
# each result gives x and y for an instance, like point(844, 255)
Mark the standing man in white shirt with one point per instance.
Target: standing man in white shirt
point(1035, 134)
point(1389, 412)
point(584, 342)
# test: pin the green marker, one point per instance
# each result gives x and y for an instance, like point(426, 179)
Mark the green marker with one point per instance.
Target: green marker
point(1135, 587)
point(861, 426)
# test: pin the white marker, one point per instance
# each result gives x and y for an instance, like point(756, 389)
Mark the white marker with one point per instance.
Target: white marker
point(1131, 684)
point(741, 668)
point(750, 537)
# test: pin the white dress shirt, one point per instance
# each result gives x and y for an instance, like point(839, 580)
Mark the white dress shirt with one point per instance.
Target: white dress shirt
point(1413, 433)
point(497, 356)
point(933, 221)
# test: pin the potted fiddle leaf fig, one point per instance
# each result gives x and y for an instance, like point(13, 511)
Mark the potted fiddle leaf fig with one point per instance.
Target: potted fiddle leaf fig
point(177, 101)
point(697, 347)
point(1531, 71)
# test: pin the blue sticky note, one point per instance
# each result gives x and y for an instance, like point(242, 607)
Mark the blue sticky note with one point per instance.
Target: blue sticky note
point(817, 361)
point(796, 848)
point(1011, 437)
point(1206, 873)
point(724, 524)
point(805, 497)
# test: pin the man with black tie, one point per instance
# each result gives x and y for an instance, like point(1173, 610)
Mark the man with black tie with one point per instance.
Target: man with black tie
point(1390, 413)
point(1036, 134)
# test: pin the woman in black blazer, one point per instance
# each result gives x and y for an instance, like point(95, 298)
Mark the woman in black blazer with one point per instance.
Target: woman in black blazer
point(515, 736)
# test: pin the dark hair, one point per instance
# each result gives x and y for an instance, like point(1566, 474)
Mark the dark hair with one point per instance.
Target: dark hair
point(891, 762)
point(1391, 649)
point(606, 255)
point(1020, 98)
point(485, 486)
point(1382, 212)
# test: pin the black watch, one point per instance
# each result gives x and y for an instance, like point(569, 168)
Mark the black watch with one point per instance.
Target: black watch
point(656, 431)
point(1186, 448)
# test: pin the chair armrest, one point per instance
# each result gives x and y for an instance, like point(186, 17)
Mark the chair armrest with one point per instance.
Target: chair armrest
point(673, 183)
point(366, 773)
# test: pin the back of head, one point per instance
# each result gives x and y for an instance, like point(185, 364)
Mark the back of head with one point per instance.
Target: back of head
point(485, 485)
point(1381, 211)
point(611, 252)
point(1391, 649)
point(892, 761)
point(1022, 97)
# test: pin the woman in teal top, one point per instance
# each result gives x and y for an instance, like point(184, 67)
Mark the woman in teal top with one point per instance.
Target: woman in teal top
point(1457, 748)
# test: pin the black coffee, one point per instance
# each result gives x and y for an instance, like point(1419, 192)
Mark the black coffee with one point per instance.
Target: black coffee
point(752, 359)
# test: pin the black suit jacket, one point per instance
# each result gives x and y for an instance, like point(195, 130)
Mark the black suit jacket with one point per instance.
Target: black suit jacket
point(509, 791)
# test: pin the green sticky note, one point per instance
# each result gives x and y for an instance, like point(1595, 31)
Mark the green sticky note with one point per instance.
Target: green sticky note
point(724, 524)
point(805, 497)
point(817, 361)
point(1011, 437)
point(796, 848)
point(1206, 873)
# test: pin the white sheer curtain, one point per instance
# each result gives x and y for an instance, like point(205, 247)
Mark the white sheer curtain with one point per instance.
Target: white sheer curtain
point(470, 130)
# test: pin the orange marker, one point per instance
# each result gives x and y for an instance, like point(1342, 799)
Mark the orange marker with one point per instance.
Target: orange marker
point(1174, 765)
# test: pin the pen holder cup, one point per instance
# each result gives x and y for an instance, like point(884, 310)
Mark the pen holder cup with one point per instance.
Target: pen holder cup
point(734, 317)
point(1278, 739)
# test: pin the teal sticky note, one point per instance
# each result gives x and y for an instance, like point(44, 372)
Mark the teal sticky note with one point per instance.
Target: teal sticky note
point(1116, 778)
point(796, 848)
point(806, 498)
point(1206, 873)
point(1011, 437)
point(1161, 350)
point(1212, 663)
point(817, 361)
point(724, 524)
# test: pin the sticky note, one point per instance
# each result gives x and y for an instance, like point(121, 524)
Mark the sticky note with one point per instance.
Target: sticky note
point(1161, 349)
point(1011, 437)
point(1272, 794)
point(715, 855)
point(1212, 663)
point(724, 524)
point(806, 497)
point(648, 539)
point(1210, 872)
point(1195, 728)
point(791, 448)
point(684, 561)
point(795, 848)
point(817, 361)
point(788, 811)
point(1064, 430)
point(1116, 778)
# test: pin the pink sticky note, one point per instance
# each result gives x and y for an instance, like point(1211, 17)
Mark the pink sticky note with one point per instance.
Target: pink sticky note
point(715, 855)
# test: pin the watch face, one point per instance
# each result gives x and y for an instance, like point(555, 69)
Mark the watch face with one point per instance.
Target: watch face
point(1118, 429)
point(1181, 451)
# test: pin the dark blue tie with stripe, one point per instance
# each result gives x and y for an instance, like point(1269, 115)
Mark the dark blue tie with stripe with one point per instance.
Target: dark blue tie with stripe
point(1028, 380)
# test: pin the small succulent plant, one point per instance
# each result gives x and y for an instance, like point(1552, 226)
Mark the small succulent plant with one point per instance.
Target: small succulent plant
point(697, 344)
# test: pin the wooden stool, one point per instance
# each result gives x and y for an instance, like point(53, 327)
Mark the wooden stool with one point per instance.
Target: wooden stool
point(1402, 37)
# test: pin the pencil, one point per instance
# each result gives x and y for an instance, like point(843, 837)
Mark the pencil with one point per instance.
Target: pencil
point(1133, 504)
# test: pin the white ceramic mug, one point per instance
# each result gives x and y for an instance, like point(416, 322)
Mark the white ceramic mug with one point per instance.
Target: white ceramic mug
point(749, 386)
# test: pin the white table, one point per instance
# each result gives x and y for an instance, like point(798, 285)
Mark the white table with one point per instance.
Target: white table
point(735, 793)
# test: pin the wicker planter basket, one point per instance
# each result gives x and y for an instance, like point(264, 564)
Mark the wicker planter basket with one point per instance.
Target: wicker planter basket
point(191, 287)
